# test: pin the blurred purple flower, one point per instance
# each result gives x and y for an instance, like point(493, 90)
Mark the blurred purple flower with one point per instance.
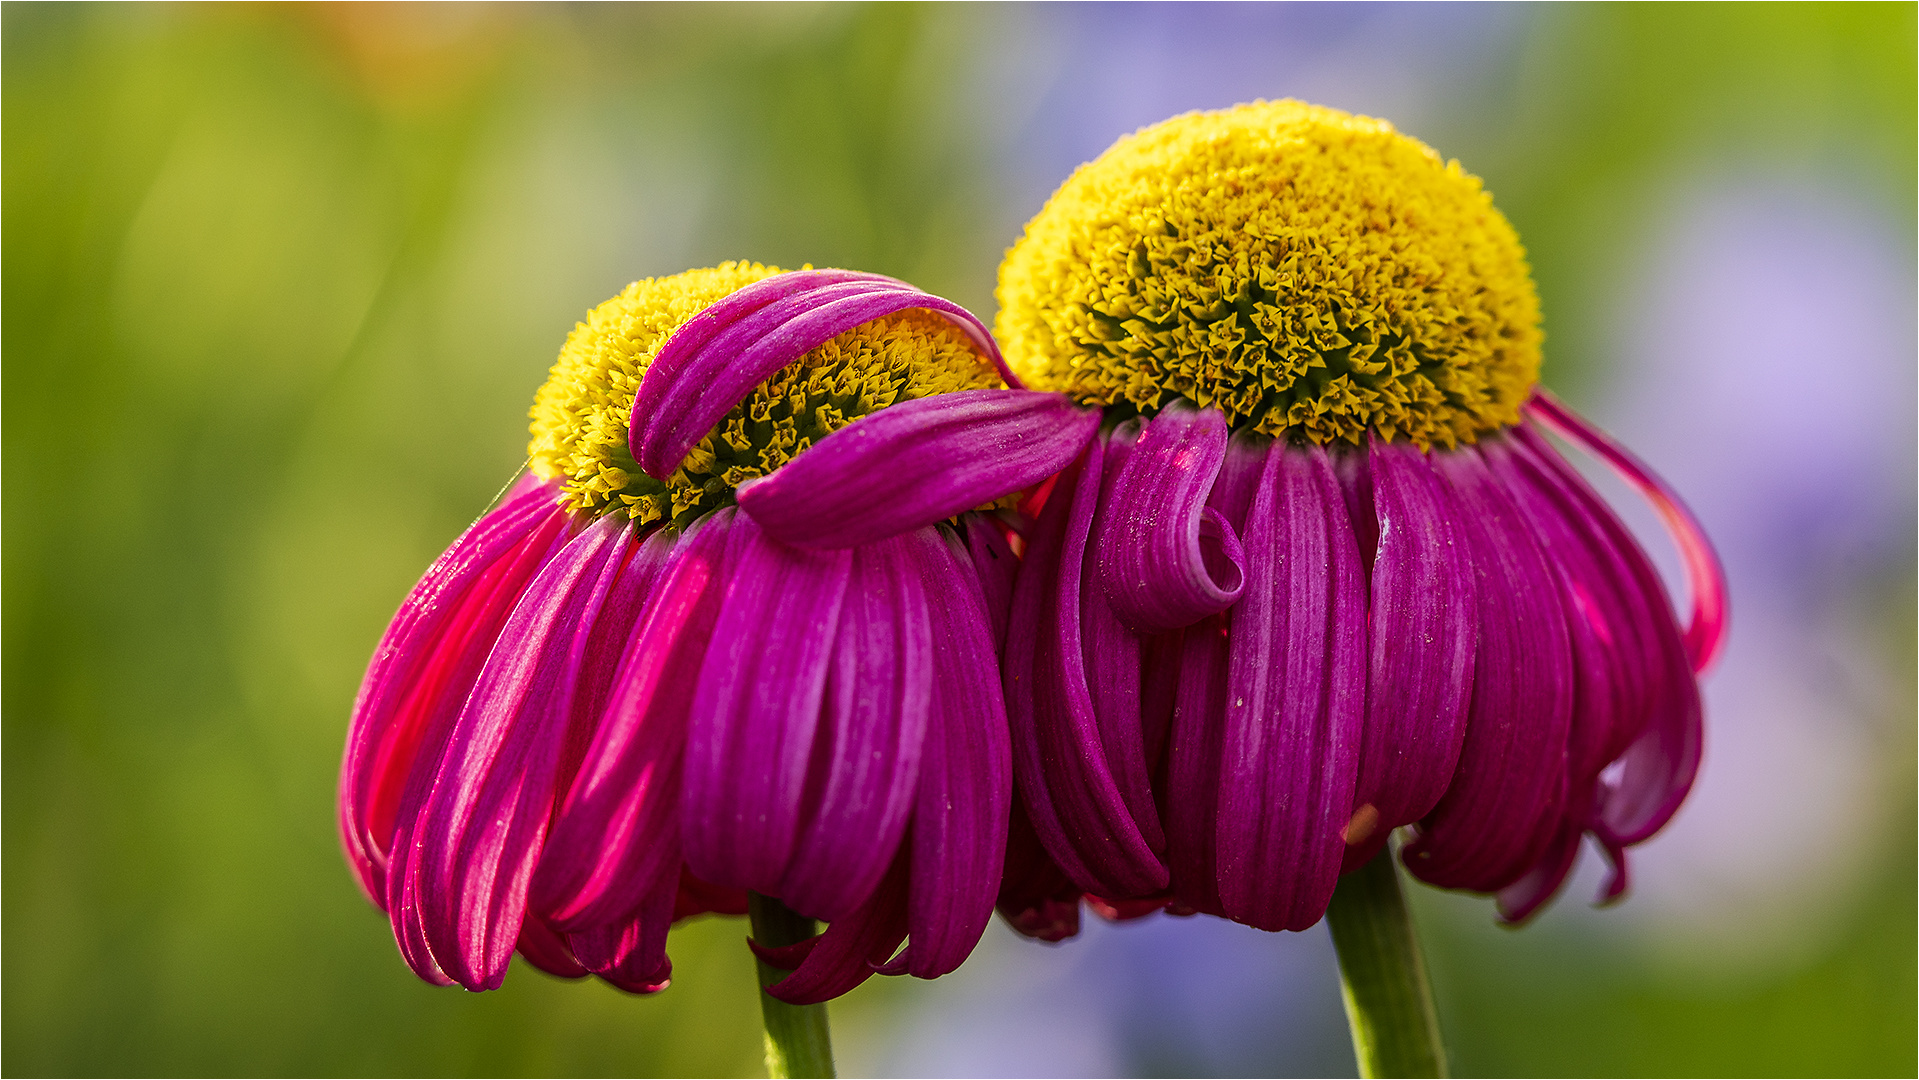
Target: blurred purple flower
point(615, 702)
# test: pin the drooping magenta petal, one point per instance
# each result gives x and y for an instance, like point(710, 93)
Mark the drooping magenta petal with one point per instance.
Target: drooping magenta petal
point(1355, 473)
point(966, 780)
point(1036, 898)
point(1159, 661)
point(1193, 762)
point(750, 744)
point(631, 954)
point(1613, 665)
point(480, 830)
point(1296, 699)
point(916, 463)
point(611, 631)
point(678, 404)
point(405, 883)
point(1424, 617)
point(1652, 776)
point(1059, 758)
point(1196, 740)
point(547, 950)
point(996, 567)
point(1525, 897)
point(1615, 660)
point(1165, 559)
point(850, 950)
point(1114, 675)
point(614, 630)
point(490, 613)
point(1656, 755)
point(426, 663)
point(866, 767)
point(1619, 880)
point(1706, 631)
point(1657, 771)
point(1503, 807)
point(617, 830)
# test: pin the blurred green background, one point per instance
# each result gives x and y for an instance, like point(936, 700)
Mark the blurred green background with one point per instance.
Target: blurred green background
point(279, 282)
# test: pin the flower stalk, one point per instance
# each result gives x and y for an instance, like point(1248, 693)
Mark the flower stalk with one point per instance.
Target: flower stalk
point(798, 1041)
point(1382, 975)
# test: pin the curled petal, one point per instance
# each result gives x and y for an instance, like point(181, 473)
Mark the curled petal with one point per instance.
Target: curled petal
point(426, 663)
point(617, 830)
point(866, 765)
point(1296, 699)
point(750, 744)
point(1503, 808)
point(1706, 631)
point(1196, 737)
point(1165, 559)
point(697, 332)
point(680, 400)
point(1424, 617)
point(916, 463)
point(718, 333)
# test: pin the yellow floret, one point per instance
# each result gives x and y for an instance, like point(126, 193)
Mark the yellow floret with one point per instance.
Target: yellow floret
point(1311, 273)
point(580, 416)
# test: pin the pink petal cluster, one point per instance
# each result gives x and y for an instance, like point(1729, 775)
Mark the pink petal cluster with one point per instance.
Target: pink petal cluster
point(577, 731)
point(1236, 665)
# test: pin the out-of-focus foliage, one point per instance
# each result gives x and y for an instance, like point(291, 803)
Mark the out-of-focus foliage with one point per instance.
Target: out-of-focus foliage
point(278, 285)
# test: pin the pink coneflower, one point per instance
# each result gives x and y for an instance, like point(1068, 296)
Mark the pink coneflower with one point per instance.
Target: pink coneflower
point(1320, 576)
point(703, 649)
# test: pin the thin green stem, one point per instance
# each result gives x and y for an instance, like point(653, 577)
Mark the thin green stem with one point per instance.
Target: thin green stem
point(1383, 975)
point(798, 1042)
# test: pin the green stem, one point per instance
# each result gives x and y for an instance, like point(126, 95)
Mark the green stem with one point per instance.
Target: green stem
point(1383, 976)
point(798, 1042)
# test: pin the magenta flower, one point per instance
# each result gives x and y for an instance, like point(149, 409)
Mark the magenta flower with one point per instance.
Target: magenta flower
point(707, 647)
point(1320, 576)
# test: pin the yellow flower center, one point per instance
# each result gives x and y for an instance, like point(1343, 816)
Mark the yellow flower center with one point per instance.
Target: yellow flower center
point(1311, 273)
point(581, 415)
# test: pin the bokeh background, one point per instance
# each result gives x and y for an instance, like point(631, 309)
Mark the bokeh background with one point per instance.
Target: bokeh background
point(279, 282)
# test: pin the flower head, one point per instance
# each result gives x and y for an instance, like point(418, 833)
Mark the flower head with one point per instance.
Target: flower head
point(1320, 576)
point(708, 646)
point(1312, 274)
